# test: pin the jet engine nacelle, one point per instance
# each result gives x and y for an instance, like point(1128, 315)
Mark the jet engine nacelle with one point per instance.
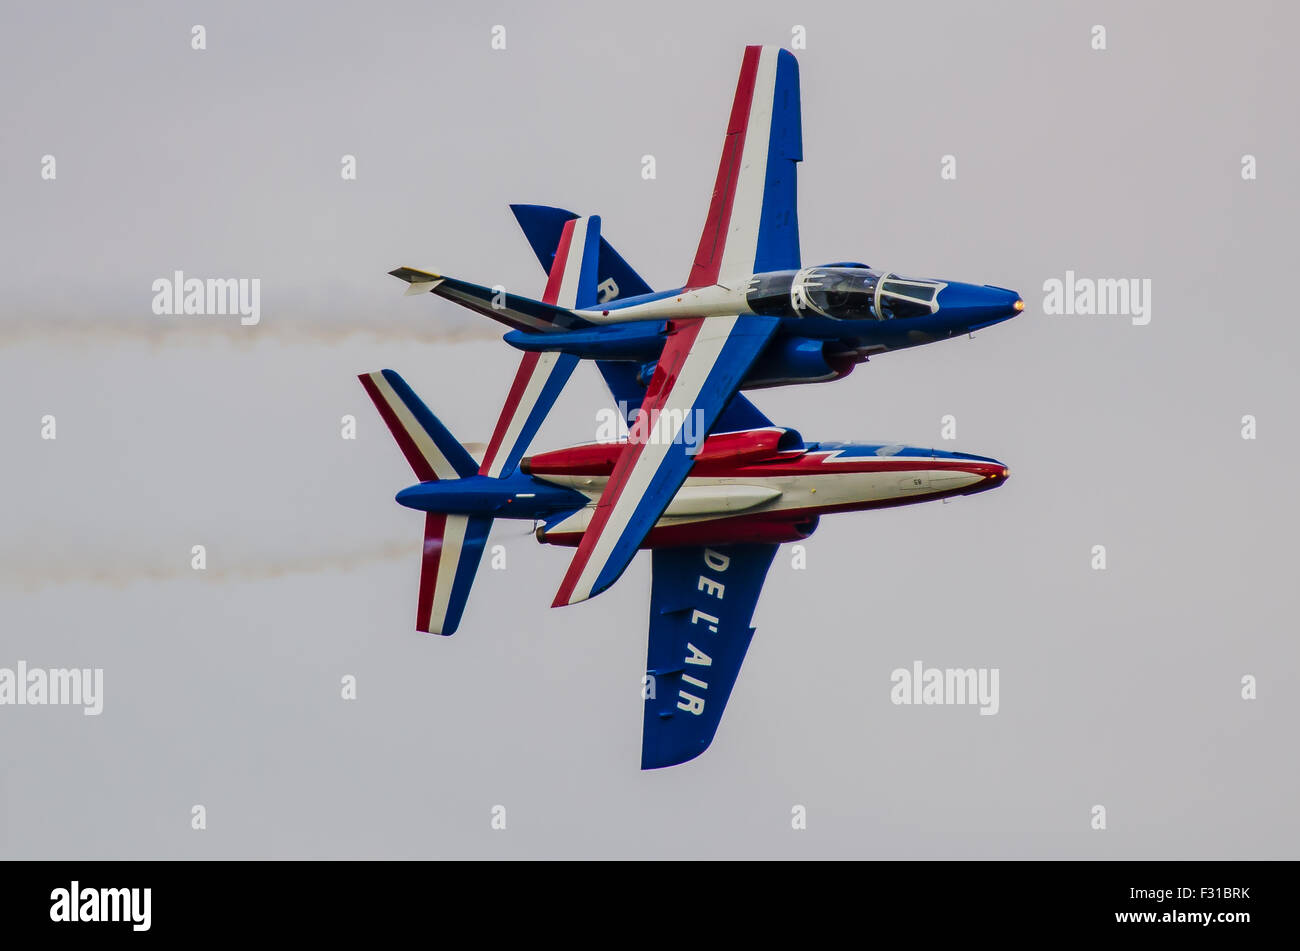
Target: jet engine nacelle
point(799, 360)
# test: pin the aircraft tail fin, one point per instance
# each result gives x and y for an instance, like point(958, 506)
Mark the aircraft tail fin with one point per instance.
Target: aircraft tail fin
point(542, 225)
point(453, 544)
point(571, 278)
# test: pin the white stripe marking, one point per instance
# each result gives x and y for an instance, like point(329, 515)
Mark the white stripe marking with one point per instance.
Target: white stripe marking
point(542, 371)
point(682, 399)
point(568, 294)
point(747, 206)
point(799, 493)
point(453, 539)
point(412, 427)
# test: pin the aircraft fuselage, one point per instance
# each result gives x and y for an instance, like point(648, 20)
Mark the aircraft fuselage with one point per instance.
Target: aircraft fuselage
point(832, 318)
point(761, 485)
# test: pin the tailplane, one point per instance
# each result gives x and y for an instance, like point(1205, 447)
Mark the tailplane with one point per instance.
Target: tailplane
point(572, 285)
point(430, 449)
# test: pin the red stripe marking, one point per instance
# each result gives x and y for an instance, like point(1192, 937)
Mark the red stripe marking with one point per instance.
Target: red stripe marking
point(817, 463)
point(676, 350)
point(552, 292)
point(713, 240)
point(529, 363)
point(525, 373)
point(423, 470)
point(435, 523)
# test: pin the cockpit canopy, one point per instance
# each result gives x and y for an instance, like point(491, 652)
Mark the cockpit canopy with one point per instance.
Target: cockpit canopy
point(905, 297)
point(844, 293)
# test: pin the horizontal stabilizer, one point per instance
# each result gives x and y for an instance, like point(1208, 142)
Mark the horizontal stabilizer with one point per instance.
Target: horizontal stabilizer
point(453, 543)
point(432, 451)
point(519, 313)
point(453, 548)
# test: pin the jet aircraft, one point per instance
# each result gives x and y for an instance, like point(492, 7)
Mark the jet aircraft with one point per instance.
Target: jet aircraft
point(748, 491)
point(714, 500)
point(750, 315)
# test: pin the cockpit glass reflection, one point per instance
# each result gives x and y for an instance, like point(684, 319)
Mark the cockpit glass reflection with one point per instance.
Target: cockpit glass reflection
point(915, 290)
point(842, 293)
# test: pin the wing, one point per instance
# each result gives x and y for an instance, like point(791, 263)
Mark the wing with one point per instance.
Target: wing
point(701, 606)
point(753, 222)
point(543, 226)
point(537, 385)
point(629, 392)
point(703, 361)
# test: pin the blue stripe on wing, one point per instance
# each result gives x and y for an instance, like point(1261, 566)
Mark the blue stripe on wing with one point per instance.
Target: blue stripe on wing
point(471, 553)
point(454, 452)
point(778, 227)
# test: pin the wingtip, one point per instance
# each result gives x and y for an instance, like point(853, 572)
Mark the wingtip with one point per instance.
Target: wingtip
point(571, 593)
point(662, 760)
point(563, 600)
point(413, 275)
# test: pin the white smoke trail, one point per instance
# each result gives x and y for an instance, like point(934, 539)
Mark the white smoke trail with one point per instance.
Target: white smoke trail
point(177, 331)
point(32, 572)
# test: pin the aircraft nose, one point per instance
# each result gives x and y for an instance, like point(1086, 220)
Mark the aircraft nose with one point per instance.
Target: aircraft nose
point(980, 304)
point(1008, 299)
point(992, 474)
point(995, 472)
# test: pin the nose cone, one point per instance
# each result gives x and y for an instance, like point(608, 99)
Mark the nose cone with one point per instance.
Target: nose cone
point(982, 472)
point(973, 306)
point(993, 474)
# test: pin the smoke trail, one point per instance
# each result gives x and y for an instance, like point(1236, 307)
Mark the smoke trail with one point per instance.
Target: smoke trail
point(32, 573)
point(29, 572)
point(175, 331)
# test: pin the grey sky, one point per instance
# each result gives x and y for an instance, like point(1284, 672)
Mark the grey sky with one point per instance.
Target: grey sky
point(1119, 687)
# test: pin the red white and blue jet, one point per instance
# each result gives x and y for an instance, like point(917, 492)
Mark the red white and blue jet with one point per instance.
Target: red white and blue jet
point(748, 491)
point(714, 508)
